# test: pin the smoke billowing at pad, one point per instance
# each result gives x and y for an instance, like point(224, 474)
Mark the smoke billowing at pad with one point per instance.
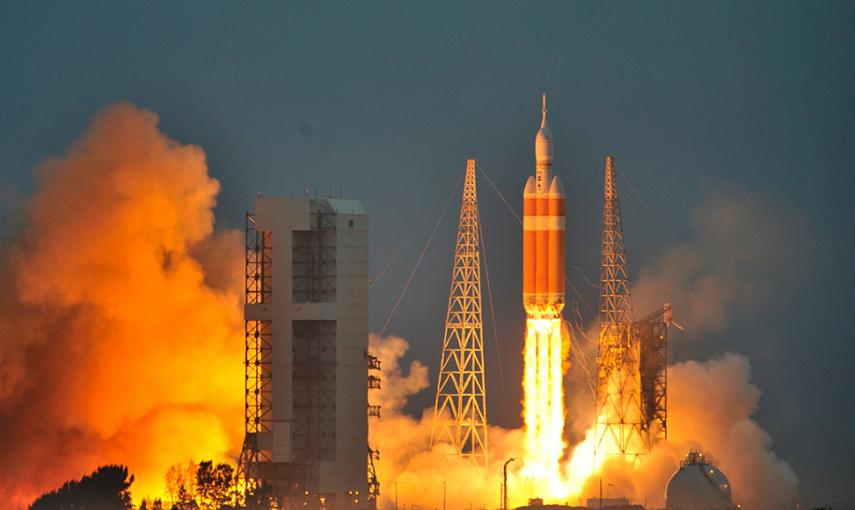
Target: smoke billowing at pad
point(119, 314)
point(720, 421)
point(711, 402)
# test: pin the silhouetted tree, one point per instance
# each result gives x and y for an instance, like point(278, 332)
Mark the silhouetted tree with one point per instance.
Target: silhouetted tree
point(185, 500)
point(214, 485)
point(178, 477)
point(107, 488)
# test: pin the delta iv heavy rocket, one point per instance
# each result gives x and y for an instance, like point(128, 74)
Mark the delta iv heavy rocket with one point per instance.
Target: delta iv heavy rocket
point(543, 232)
point(543, 298)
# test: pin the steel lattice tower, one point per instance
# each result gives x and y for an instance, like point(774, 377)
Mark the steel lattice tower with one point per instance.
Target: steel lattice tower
point(619, 427)
point(258, 362)
point(460, 412)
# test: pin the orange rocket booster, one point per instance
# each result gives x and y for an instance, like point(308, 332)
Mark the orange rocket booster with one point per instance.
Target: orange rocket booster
point(543, 232)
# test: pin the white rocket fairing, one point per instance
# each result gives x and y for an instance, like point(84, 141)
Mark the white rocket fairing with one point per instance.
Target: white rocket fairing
point(543, 232)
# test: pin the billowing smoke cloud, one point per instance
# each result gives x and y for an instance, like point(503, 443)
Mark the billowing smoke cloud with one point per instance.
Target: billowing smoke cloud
point(745, 253)
point(120, 325)
point(710, 409)
point(420, 475)
point(710, 405)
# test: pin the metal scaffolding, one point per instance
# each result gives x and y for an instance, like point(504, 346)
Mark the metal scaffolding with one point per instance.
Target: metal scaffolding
point(314, 260)
point(632, 377)
point(373, 364)
point(373, 482)
point(258, 396)
point(314, 398)
point(460, 410)
point(652, 335)
point(619, 427)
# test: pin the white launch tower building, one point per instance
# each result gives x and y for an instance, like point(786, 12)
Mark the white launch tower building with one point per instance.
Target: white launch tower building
point(306, 319)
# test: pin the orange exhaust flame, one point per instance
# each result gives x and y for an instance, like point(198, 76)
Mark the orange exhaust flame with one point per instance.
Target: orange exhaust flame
point(543, 407)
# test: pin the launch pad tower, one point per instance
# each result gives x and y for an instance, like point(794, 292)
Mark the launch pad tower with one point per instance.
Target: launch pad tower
point(632, 356)
point(306, 317)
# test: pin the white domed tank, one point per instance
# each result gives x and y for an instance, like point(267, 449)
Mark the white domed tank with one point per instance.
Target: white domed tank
point(698, 485)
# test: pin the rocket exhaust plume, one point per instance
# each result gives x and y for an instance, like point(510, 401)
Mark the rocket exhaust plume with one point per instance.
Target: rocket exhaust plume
point(119, 315)
point(543, 299)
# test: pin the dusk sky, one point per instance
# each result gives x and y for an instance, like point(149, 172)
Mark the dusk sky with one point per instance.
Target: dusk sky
point(700, 104)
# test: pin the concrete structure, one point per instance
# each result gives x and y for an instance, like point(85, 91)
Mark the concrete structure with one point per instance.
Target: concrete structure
point(306, 359)
point(698, 485)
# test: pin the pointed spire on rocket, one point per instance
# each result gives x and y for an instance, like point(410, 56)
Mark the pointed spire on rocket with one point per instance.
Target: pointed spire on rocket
point(543, 119)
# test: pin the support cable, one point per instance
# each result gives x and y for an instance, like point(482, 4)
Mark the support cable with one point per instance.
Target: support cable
point(496, 189)
point(652, 214)
point(413, 232)
point(419, 260)
point(585, 276)
point(492, 310)
point(580, 353)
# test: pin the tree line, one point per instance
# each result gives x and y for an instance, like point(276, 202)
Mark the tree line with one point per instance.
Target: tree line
point(202, 486)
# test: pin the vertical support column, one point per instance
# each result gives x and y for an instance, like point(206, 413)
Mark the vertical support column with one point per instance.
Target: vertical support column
point(258, 398)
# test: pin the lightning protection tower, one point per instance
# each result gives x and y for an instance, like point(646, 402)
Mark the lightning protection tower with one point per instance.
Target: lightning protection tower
point(619, 428)
point(460, 412)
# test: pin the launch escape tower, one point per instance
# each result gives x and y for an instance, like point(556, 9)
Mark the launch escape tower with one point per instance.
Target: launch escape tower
point(460, 410)
point(632, 356)
point(307, 382)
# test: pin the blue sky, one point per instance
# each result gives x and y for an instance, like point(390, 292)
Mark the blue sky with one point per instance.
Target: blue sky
point(387, 100)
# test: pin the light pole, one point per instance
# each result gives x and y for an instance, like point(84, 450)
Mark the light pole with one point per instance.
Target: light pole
point(505, 483)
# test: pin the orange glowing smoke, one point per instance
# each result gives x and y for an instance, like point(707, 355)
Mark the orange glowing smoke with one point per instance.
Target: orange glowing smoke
point(120, 323)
